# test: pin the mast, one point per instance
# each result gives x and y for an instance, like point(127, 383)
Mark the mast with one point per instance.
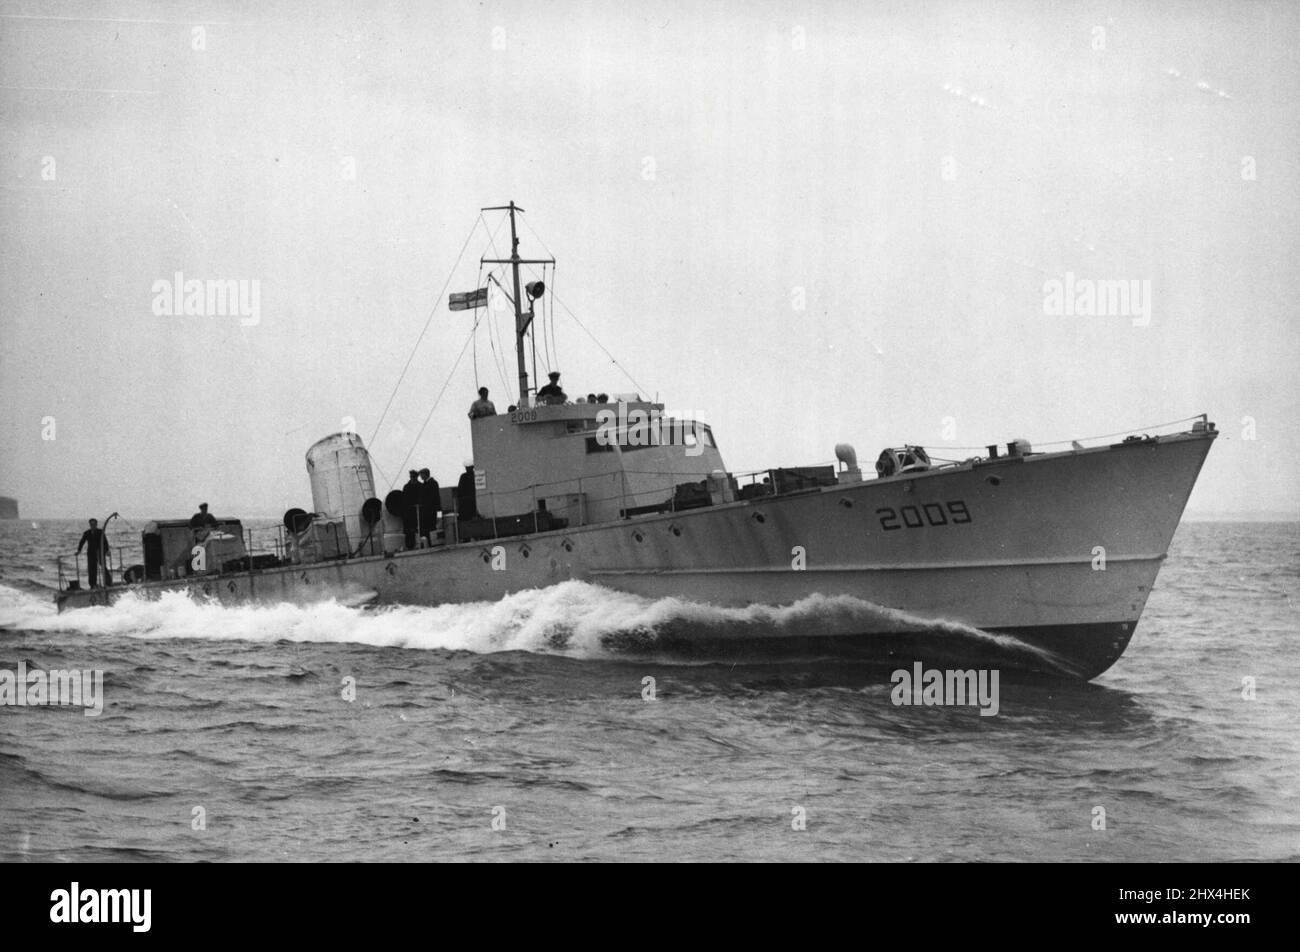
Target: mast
point(523, 320)
point(520, 326)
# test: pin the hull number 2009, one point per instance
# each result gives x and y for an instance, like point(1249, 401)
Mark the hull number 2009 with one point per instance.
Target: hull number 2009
point(953, 512)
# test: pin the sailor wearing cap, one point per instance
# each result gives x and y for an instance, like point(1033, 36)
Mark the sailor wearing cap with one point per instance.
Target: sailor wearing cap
point(552, 393)
point(466, 504)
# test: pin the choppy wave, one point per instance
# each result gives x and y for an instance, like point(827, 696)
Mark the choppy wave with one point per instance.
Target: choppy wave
point(573, 618)
point(40, 589)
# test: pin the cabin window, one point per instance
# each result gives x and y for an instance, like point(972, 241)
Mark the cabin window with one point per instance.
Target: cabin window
point(596, 446)
point(707, 436)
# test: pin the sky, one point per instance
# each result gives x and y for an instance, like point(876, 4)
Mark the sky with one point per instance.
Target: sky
point(802, 223)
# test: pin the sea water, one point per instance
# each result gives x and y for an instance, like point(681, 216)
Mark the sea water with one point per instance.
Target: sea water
point(536, 728)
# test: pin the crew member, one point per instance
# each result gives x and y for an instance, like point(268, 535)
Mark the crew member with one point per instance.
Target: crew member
point(552, 393)
point(202, 519)
point(411, 500)
point(96, 553)
point(430, 504)
point(482, 406)
point(201, 522)
point(466, 504)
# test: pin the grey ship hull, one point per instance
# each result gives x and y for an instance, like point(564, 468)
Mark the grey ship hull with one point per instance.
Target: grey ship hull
point(930, 566)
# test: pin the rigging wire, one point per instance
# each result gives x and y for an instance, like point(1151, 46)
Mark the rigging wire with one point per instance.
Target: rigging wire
point(498, 354)
point(550, 357)
point(549, 305)
point(556, 300)
point(546, 320)
point(384, 476)
point(477, 282)
point(501, 365)
point(548, 342)
point(427, 322)
point(451, 373)
point(550, 312)
point(534, 342)
point(534, 233)
point(640, 389)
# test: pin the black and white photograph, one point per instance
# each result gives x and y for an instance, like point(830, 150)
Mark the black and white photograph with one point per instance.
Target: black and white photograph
point(750, 432)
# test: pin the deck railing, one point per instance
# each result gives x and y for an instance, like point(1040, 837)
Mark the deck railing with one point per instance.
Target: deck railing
point(661, 496)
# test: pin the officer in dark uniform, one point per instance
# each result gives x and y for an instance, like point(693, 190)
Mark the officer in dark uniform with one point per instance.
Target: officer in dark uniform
point(411, 499)
point(201, 522)
point(97, 553)
point(466, 504)
point(552, 393)
point(202, 519)
point(430, 504)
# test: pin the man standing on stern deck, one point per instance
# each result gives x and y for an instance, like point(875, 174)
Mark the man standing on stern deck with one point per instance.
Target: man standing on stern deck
point(97, 554)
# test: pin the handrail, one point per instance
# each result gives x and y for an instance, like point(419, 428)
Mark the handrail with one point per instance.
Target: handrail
point(271, 542)
point(665, 495)
point(1203, 417)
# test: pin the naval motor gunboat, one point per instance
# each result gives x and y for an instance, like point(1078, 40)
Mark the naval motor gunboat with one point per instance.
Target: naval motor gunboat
point(1040, 560)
